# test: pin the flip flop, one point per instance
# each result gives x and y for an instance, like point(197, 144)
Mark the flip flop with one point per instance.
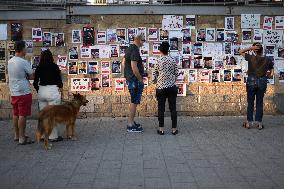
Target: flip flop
point(26, 142)
point(16, 139)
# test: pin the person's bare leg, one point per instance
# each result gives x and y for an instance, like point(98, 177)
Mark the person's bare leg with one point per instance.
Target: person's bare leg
point(16, 128)
point(22, 128)
point(132, 112)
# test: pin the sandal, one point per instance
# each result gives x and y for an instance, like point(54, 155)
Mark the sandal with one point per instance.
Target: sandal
point(160, 132)
point(27, 141)
point(58, 139)
point(175, 132)
point(17, 140)
point(260, 126)
point(246, 125)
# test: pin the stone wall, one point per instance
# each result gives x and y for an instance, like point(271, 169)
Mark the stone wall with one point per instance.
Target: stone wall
point(201, 99)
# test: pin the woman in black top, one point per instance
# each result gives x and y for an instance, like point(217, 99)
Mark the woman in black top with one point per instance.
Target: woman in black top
point(48, 84)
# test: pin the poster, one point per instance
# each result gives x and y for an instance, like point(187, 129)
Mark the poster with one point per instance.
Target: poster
point(116, 67)
point(122, 49)
point(82, 67)
point(181, 89)
point(131, 32)
point(152, 61)
point(153, 34)
point(2, 73)
point(197, 48)
point(104, 50)
point(229, 23)
point(177, 57)
point(270, 50)
point(111, 36)
point(144, 50)
point(190, 21)
point(246, 35)
point(186, 48)
point(85, 52)
point(95, 52)
point(227, 74)
point(72, 68)
point(215, 76)
point(186, 38)
point(181, 76)
point(16, 31)
point(208, 62)
point(220, 34)
point(279, 22)
point(267, 23)
point(250, 20)
point(200, 35)
point(93, 67)
point(273, 37)
point(95, 83)
point(145, 81)
point(36, 34)
point(197, 62)
point(76, 36)
point(204, 76)
point(114, 50)
point(88, 36)
point(143, 32)
point(47, 39)
point(174, 44)
point(3, 32)
point(2, 54)
point(35, 62)
point(192, 75)
point(121, 34)
point(172, 22)
point(280, 52)
point(257, 35)
point(105, 67)
point(80, 84)
point(231, 36)
point(73, 53)
point(236, 48)
point(186, 62)
point(212, 49)
point(228, 48)
point(119, 84)
point(59, 39)
point(210, 34)
point(231, 61)
point(105, 78)
point(163, 35)
point(101, 37)
point(62, 62)
point(237, 75)
point(156, 48)
point(218, 63)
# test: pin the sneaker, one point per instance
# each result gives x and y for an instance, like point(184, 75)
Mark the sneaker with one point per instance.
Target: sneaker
point(134, 129)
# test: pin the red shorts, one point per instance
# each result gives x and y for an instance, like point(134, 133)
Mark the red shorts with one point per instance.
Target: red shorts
point(22, 105)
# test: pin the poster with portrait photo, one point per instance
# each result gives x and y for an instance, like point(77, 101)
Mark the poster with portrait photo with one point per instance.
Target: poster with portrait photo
point(119, 84)
point(88, 36)
point(192, 76)
point(144, 50)
point(197, 62)
point(35, 62)
point(181, 87)
point(62, 62)
point(197, 48)
point(76, 36)
point(93, 67)
point(204, 76)
point(181, 76)
point(186, 62)
point(156, 48)
point(131, 32)
point(72, 68)
point(3, 73)
point(237, 75)
point(80, 84)
point(174, 43)
point(36, 34)
point(186, 37)
point(82, 67)
point(220, 34)
point(163, 35)
point(190, 21)
point(95, 83)
point(152, 61)
point(231, 36)
point(105, 67)
point(2, 54)
point(228, 49)
point(105, 78)
point(270, 50)
point(200, 35)
point(257, 35)
point(121, 34)
point(246, 35)
point(114, 50)
point(231, 61)
point(279, 22)
point(176, 57)
point(116, 67)
point(85, 52)
point(208, 62)
point(281, 77)
point(16, 31)
point(145, 81)
point(280, 51)
point(143, 32)
point(236, 48)
point(210, 34)
point(59, 39)
point(122, 49)
point(267, 23)
point(227, 74)
point(229, 23)
point(218, 63)
point(215, 76)
point(101, 37)
point(153, 34)
point(73, 53)
point(111, 36)
point(12, 53)
point(95, 52)
point(250, 20)
point(145, 65)
point(47, 39)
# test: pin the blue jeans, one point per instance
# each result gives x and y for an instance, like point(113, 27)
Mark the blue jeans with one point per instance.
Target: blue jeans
point(135, 88)
point(256, 88)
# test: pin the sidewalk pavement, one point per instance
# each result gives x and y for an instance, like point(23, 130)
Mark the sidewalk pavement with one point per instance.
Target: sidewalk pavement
point(208, 152)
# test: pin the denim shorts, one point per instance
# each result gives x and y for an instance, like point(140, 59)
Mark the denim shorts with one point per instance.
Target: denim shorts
point(135, 88)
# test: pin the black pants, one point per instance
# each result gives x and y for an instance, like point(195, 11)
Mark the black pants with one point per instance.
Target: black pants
point(162, 95)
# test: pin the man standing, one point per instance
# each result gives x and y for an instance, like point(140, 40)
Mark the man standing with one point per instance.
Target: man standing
point(133, 72)
point(19, 71)
point(259, 68)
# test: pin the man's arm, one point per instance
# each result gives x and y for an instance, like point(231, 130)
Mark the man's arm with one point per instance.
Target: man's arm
point(136, 71)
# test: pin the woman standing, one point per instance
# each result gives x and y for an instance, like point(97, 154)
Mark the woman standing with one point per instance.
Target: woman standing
point(165, 74)
point(48, 84)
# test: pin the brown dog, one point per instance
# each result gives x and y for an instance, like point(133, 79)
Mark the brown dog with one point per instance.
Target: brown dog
point(52, 115)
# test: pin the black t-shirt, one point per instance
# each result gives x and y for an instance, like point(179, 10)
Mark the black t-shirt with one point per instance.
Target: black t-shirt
point(47, 74)
point(132, 53)
point(258, 66)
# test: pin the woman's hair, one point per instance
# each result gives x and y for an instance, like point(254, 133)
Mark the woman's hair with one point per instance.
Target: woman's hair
point(164, 47)
point(46, 57)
